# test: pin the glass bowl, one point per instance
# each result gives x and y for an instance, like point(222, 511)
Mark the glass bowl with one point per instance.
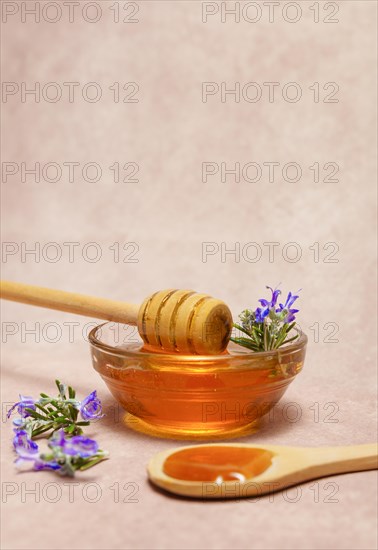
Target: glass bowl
point(192, 396)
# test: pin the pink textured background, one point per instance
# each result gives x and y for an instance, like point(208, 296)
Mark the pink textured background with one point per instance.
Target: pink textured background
point(170, 132)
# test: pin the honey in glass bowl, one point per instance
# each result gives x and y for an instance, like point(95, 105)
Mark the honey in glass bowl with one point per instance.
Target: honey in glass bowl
point(193, 396)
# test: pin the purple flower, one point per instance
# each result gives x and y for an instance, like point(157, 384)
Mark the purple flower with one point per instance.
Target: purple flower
point(28, 454)
point(91, 408)
point(82, 446)
point(24, 403)
point(290, 316)
point(269, 307)
point(263, 312)
point(35, 463)
point(273, 301)
point(23, 445)
point(73, 446)
point(42, 465)
point(62, 448)
point(260, 314)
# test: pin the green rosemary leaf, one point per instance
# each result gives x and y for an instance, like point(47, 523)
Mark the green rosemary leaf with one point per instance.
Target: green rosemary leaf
point(41, 408)
point(92, 463)
point(239, 327)
point(265, 338)
point(41, 430)
point(61, 387)
point(34, 414)
point(245, 342)
point(281, 335)
point(73, 412)
point(257, 333)
point(62, 420)
point(291, 339)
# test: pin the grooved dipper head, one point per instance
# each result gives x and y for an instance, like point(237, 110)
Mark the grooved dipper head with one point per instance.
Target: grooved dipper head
point(183, 321)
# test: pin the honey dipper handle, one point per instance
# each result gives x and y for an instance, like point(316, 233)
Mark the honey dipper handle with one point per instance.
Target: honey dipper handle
point(100, 308)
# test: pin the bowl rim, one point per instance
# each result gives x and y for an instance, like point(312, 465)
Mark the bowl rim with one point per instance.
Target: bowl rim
point(298, 344)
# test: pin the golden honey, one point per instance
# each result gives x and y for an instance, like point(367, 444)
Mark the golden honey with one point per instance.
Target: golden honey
point(217, 464)
point(194, 396)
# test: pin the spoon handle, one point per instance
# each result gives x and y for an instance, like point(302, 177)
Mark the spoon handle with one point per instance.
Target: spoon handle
point(337, 460)
point(100, 308)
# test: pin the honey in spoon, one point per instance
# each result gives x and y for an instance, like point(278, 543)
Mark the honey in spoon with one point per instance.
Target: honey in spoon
point(217, 463)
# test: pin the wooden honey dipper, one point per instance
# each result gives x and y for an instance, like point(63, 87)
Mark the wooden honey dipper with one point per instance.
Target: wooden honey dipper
point(180, 321)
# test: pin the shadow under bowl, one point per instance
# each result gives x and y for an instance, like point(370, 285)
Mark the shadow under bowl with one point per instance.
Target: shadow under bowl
point(192, 396)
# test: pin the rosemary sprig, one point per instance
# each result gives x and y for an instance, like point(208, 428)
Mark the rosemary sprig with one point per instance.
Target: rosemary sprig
point(268, 327)
point(57, 417)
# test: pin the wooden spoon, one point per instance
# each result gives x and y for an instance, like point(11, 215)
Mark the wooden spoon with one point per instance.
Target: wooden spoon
point(173, 320)
point(238, 470)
